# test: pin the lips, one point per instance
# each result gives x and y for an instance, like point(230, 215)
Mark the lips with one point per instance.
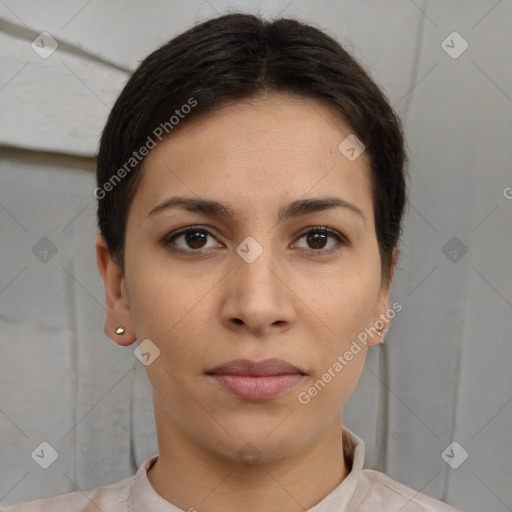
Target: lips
point(262, 368)
point(256, 381)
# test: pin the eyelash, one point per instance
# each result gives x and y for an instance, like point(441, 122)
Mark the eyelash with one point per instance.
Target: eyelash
point(342, 240)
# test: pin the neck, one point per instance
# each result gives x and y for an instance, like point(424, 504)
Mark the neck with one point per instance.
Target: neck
point(192, 477)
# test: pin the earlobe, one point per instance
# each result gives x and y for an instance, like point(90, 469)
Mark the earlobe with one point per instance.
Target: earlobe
point(118, 325)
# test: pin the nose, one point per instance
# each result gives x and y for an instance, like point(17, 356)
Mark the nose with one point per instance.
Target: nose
point(258, 297)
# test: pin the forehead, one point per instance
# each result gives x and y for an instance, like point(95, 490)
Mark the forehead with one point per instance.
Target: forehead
point(259, 149)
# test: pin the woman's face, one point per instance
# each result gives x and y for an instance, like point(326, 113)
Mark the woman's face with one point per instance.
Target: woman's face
point(255, 279)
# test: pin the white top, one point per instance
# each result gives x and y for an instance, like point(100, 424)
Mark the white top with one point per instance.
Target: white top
point(363, 490)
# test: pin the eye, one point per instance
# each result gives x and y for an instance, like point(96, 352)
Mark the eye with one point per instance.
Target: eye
point(192, 239)
point(317, 239)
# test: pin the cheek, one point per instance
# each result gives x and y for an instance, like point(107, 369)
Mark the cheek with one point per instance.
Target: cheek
point(351, 312)
point(160, 296)
point(168, 308)
point(346, 307)
point(347, 302)
point(337, 362)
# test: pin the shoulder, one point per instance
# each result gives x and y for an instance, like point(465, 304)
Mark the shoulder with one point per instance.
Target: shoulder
point(111, 498)
point(376, 489)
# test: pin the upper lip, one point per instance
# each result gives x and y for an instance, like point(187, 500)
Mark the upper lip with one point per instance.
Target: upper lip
point(246, 367)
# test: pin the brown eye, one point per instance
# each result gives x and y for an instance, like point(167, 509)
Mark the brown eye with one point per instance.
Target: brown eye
point(317, 239)
point(196, 239)
point(192, 239)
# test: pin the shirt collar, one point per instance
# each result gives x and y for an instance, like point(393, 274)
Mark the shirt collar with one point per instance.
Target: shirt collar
point(143, 497)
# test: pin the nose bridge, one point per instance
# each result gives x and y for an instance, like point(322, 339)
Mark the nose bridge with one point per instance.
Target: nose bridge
point(258, 295)
point(256, 272)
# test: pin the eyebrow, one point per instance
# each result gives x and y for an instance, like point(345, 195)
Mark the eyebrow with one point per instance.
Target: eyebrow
point(291, 210)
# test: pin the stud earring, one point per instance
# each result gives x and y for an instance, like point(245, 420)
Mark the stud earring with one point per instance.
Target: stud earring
point(120, 330)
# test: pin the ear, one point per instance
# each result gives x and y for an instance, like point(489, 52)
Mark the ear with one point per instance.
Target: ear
point(381, 319)
point(118, 311)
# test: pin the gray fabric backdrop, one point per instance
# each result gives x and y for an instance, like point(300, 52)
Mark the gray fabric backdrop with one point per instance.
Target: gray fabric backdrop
point(446, 376)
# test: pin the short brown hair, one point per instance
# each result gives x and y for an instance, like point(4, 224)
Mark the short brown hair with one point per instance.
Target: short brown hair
point(236, 57)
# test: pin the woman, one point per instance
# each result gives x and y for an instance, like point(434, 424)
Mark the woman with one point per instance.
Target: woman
point(251, 186)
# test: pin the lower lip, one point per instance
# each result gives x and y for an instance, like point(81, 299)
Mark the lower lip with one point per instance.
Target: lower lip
point(251, 387)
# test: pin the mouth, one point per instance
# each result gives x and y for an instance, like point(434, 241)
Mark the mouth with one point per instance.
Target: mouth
point(256, 381)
